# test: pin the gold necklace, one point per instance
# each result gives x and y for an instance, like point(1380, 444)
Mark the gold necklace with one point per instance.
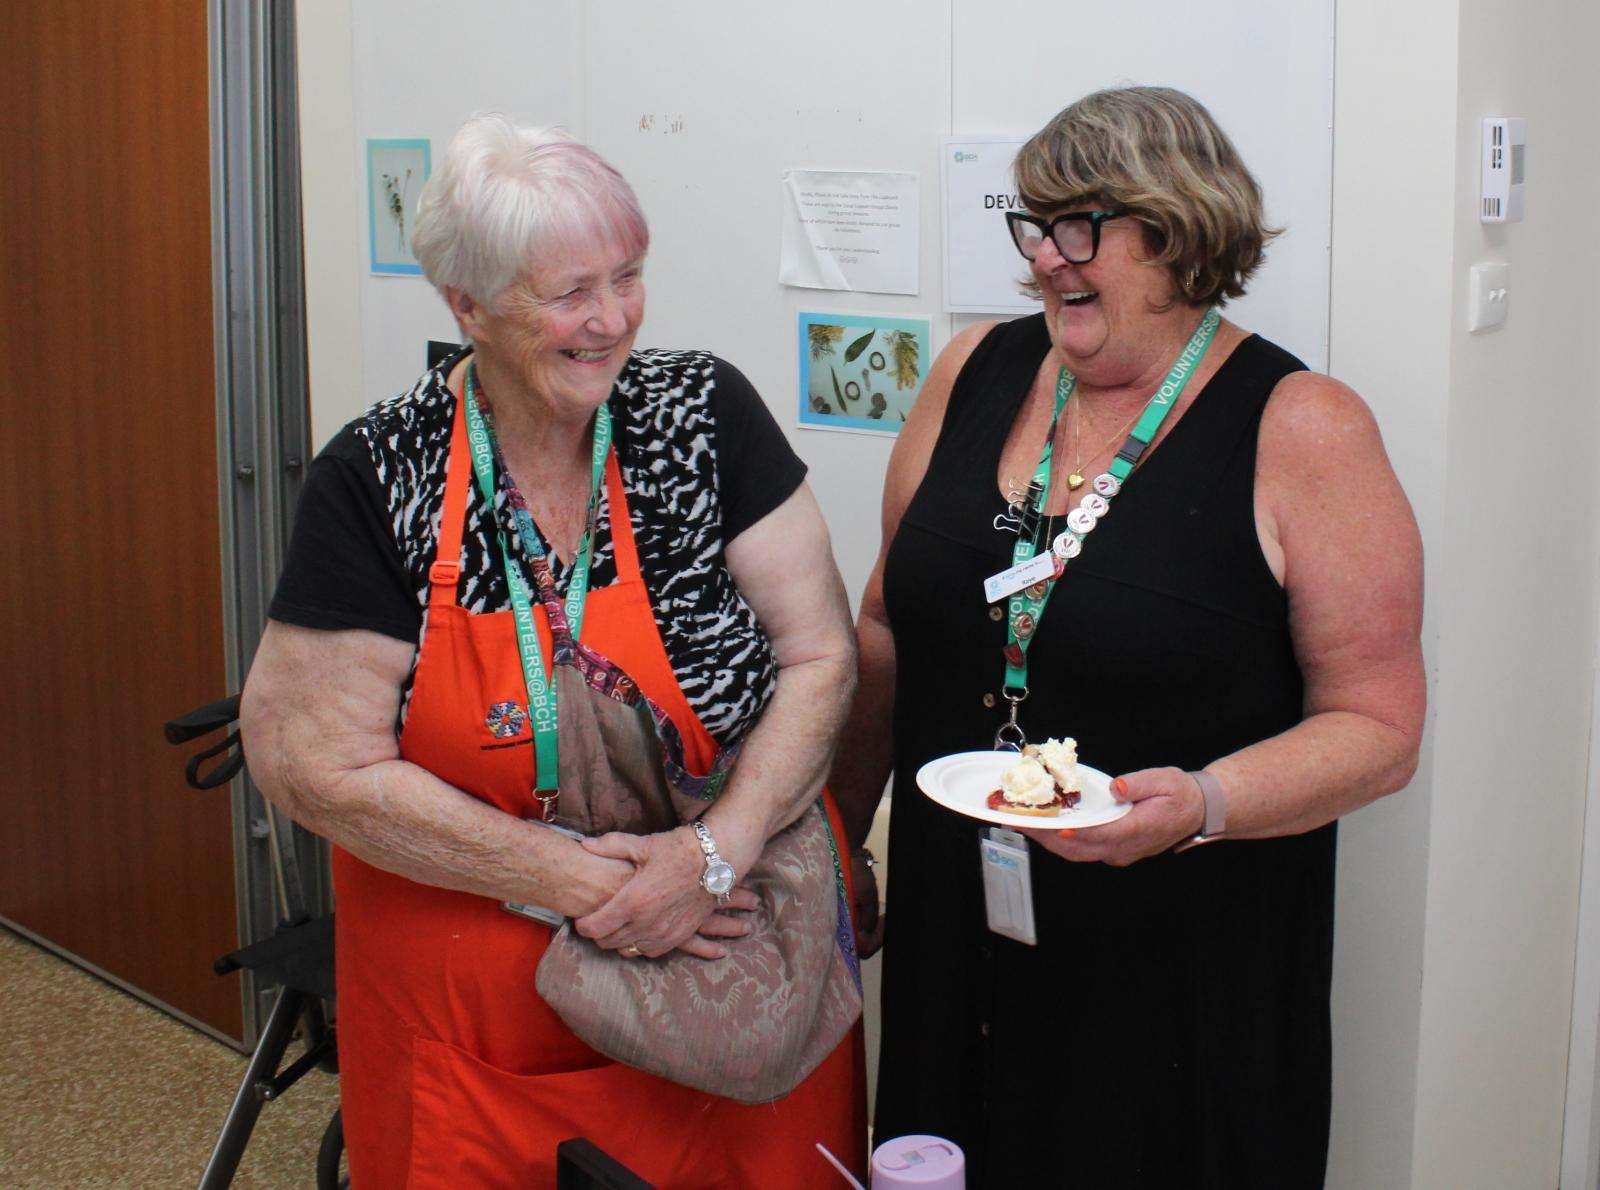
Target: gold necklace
point(1076, 479)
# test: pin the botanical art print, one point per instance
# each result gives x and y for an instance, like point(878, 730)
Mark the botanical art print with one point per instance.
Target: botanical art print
point(396, 170)
point(860, 372)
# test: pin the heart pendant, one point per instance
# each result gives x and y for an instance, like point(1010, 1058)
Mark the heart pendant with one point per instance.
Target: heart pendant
point(1074, 481)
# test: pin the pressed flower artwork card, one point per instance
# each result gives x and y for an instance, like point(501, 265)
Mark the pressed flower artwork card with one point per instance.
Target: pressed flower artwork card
point(396, 170)
point(860, 372)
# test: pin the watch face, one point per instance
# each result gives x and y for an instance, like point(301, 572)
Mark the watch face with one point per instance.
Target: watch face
point(718, 879)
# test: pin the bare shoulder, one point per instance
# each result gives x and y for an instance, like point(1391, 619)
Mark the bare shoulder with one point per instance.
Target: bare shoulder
point(927, 415)
point(1324, 482)
point(1318, 446)
point(914, 446)
point(1314, 419)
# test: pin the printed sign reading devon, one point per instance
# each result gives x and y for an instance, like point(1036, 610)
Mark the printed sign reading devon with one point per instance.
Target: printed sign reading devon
point(981, 268)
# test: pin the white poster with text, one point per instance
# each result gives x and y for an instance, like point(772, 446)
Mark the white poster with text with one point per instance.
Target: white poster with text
point(852, 231)
point(982, 268)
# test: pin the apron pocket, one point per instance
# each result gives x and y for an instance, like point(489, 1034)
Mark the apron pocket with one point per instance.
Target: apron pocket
point(476, 1125)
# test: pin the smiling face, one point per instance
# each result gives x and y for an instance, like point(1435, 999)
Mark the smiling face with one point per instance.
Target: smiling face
point(1106, 316)
point(563, 331)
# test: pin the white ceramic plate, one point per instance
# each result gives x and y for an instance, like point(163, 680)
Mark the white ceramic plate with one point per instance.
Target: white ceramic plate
point(963, 782)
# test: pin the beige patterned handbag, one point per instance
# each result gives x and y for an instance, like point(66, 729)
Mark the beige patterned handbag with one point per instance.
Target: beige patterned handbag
point(750, 1026)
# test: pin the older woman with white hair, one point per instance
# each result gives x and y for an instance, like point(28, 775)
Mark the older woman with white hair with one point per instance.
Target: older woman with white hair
point(550, 494)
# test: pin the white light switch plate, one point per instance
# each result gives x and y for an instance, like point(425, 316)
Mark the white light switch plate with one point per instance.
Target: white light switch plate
point(1491, 294)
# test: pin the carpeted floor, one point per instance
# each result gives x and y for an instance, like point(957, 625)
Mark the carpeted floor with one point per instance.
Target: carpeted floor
point(98, 1089)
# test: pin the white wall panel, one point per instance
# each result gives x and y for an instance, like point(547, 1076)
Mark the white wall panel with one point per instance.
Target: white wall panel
point(421, 67)
point(1517, 629)
point(1264, 69)
point(703, 106)
point(330, 215)
point(1389, 321)
point(832, 84)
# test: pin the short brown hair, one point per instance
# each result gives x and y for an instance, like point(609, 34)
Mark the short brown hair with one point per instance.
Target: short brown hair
point(1159, 153)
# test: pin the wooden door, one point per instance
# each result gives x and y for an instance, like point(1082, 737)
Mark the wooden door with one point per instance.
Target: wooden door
point(110, 571)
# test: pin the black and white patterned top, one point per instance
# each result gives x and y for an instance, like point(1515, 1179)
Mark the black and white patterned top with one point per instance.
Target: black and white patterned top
point(701, 461)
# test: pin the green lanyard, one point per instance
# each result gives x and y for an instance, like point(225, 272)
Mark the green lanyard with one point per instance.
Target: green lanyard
point(1026, 607)
point(1022, 603)
point(542, 706)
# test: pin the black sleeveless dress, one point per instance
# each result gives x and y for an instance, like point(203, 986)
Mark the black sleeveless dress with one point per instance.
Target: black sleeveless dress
point(1171, 1027)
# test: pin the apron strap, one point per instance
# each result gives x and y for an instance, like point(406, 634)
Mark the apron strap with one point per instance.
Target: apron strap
point(623, 548)
point(446, 569)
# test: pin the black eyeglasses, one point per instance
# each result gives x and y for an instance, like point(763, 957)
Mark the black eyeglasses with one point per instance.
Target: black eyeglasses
point(1077, 234)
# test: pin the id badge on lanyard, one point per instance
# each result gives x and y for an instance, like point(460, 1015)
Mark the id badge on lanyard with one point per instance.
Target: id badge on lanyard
point(1008, 885)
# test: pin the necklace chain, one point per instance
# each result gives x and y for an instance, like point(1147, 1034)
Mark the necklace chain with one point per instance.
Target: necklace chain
point(1026, 586)
point(1076, 479)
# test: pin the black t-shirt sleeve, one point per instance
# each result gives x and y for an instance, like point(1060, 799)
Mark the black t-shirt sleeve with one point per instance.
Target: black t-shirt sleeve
point(757, 469)
point(344, 568)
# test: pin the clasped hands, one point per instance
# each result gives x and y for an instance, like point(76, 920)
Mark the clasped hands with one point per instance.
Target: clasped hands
point(662, 906)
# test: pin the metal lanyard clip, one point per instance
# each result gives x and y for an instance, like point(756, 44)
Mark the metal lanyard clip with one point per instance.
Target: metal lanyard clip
point(547, 803)
point(1022, 512)
point(1010, 737)
point(1032, 508)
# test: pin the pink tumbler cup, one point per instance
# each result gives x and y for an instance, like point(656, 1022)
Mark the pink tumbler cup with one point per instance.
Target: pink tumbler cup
point(926, 1162)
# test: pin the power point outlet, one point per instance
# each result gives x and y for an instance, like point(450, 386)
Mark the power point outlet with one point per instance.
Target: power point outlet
point(1490, 296)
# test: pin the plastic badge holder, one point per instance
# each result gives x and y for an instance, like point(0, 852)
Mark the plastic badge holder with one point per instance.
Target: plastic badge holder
point(926, 1162)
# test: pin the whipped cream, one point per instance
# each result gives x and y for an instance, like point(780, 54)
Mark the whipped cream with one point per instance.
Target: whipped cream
point(1026, 783)
point(1060, 760)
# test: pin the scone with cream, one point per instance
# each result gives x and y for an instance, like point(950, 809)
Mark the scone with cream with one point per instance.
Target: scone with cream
point(1043, 783)
point(1060, 760)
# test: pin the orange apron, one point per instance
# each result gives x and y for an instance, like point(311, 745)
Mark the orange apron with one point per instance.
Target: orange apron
point(454, 1072)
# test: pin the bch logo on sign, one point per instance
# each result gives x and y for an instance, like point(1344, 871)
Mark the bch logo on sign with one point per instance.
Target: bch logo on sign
point(965, 157)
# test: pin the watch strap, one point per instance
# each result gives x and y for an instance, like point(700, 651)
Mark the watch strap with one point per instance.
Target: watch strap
point(1216, 803)
point(1215, 823)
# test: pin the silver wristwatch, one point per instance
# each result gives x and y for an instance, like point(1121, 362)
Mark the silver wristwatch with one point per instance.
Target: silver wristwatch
point(719, 877)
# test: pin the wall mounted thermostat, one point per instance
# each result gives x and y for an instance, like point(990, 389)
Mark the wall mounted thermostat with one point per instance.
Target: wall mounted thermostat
point(1505, 151)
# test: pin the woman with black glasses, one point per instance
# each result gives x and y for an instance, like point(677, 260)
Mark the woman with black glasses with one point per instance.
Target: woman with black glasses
point(1228, 623)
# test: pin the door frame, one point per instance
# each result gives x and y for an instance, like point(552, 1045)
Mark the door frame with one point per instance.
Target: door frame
point(1580, 1131)
point(263, 409)
point(1581, 1117)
